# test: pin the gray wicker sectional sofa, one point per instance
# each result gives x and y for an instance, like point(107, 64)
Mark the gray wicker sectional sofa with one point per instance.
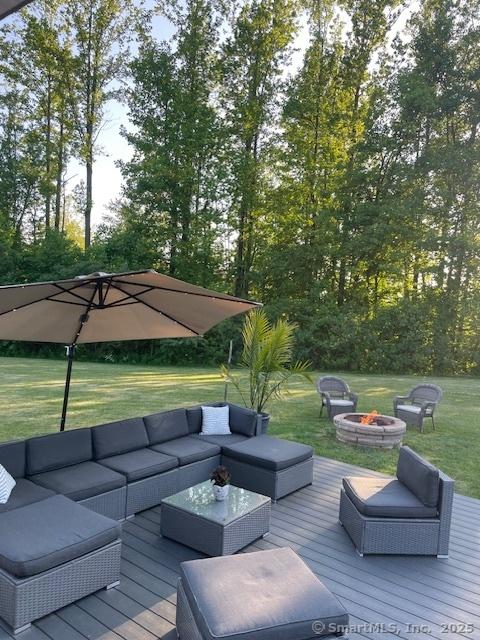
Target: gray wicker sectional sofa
point(72, 488)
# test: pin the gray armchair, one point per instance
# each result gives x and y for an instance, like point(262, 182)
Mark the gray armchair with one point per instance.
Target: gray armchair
point(419, 404)
point(406, 515)
point(336, 396)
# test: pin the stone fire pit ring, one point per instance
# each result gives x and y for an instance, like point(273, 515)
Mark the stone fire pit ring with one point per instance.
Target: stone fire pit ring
point(385, 434)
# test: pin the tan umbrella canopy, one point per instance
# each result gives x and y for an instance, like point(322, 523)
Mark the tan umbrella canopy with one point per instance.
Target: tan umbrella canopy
point(103, 307)
point(9, 6)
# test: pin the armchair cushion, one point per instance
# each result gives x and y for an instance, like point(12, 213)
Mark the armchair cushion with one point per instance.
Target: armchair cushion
point(385, 498)
point(412, 408)
point(339, 402)
point(418, 475)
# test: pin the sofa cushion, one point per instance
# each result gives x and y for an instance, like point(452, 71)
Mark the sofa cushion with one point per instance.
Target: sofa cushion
point(25, 492)
point(167, 425)
point(269, 453)
point(58, 450)
point(194, 419)
point(385, 497)
point(222, 441)
point(12, 457)
point(188, 449)
point(46, 534)
point(122, 436)
point(80, 481)
point(287, 599)
point(242, 420)
point(418, 475)
point(139, 464)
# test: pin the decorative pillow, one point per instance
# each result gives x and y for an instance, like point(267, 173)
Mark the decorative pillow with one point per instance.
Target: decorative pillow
point(215, 421)
point(6, 485)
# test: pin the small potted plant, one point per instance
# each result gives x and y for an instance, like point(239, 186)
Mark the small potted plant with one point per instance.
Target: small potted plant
point(220, 480)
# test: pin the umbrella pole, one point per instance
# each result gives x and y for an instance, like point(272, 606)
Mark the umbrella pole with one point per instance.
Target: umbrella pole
point(70, 355)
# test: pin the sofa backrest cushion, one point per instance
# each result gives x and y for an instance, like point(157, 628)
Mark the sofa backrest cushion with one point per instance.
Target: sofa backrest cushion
point(57, 450)
point(166, 425)
point(418, 475)
point(12, 457)
point(243, 420)
point(118, 437)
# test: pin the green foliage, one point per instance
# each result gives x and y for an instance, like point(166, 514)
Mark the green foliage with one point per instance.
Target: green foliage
point(343, 191)
point(267, 355)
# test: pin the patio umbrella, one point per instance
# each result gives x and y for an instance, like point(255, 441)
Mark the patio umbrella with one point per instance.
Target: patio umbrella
point(103, 307)
point(9, 6)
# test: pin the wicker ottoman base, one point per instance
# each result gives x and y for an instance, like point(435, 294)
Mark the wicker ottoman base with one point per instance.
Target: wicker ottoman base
point(23, 600)
point(275, 484)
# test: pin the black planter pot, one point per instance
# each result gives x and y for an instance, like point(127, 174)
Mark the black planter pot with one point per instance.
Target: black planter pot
point(263, 421)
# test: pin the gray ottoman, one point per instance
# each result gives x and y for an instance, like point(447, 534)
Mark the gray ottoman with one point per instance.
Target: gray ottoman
point(52, 553)
point(266, 595)
point(270, 466)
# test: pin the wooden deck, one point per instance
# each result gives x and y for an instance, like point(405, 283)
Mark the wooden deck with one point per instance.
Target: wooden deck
point(387, 597)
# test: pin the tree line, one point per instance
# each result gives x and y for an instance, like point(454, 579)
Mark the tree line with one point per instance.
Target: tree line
point(320, 156)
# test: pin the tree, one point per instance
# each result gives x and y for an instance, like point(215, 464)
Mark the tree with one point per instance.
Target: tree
point(101, 31)
point(252, 64)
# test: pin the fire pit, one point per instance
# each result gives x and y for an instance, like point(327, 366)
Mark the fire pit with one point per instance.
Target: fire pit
point(370, 429)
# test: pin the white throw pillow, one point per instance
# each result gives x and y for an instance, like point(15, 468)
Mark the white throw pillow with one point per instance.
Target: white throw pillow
point(6, 485)
point(215, 421)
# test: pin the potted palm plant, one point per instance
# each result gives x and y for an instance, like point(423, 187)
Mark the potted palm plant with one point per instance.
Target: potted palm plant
point(267, 356)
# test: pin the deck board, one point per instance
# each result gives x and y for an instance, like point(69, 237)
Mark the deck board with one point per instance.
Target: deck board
point(398, 591)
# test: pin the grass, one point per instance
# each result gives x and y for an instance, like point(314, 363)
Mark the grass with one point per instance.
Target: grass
point(31, 394)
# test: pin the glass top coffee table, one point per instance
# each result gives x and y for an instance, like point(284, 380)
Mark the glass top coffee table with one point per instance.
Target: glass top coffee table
point(193, 517)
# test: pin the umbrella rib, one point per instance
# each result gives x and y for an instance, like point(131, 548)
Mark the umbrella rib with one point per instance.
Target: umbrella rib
point(189, 293)
point(133, 295)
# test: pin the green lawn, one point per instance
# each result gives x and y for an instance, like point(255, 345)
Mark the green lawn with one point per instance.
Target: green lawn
point(31, 396)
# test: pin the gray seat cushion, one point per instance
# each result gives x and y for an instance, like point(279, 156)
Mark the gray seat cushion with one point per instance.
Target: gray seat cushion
point(222, 441)
point(167, 425)
point(80, 481)
point(418, 475)
point(23, 493)
point(269, 453)
point(385, 498)
point(12, 457)
point(409, 408)
point(139, 464)
point(188, 449)
point(114, 438)
point(58, 450)
point(46, 534)
point(287, 599)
